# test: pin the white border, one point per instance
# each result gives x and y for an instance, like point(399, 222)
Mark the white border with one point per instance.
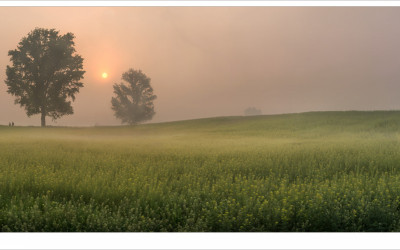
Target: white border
point(197, 3)
point(200, 241)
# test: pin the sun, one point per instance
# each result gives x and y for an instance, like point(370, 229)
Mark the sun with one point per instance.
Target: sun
point(104, 75)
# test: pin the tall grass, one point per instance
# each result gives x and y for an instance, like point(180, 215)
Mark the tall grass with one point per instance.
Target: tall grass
point(322, 171)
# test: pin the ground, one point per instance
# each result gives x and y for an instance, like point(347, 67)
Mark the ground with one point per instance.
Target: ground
point(318, 171)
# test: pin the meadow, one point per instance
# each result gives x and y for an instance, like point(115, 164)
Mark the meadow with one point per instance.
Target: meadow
point(317, 171)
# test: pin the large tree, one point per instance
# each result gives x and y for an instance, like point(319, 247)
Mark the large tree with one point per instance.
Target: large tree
point(45, 73)
point(133, 102)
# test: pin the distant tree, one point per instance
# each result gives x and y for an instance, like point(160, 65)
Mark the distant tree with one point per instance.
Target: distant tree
point(252, 111)
point(133, 101)
point(45, 73)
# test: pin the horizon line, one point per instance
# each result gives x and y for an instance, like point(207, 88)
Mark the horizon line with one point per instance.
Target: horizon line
point(209, 117)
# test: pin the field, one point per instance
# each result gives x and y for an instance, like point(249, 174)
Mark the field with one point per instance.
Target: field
point(318, 171)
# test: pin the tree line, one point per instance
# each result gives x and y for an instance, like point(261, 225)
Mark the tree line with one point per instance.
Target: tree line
point(46, 72)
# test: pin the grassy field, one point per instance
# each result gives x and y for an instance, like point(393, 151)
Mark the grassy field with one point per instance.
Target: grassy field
point(319, 171)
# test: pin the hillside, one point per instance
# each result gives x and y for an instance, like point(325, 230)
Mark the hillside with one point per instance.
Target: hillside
point(317, 171)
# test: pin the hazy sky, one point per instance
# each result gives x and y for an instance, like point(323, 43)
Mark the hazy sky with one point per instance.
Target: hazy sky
point(218, 61)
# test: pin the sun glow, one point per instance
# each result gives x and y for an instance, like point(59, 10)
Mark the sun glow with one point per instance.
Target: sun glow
point(104, 75)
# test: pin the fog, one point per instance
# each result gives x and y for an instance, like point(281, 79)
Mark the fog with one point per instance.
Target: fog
point(218, 61)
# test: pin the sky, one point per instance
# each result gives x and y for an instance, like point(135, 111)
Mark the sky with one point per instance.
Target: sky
point(218, 61)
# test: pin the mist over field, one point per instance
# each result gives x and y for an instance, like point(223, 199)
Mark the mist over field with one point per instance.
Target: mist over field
point(206, 62)
point(249, 156)
point(309, 172)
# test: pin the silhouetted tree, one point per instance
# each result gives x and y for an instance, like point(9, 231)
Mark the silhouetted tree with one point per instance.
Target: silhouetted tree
point(252, 111)
point(45, 73)
point(133, 102)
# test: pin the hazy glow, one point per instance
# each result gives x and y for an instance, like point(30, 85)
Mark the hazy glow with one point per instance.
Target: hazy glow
point(218, 61)
point(104, 75)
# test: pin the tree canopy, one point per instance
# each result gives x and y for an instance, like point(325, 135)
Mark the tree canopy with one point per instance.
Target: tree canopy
point(133, 101)
point(45, 73)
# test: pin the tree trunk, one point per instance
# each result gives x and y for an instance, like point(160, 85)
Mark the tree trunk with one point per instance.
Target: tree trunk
point(43, 119)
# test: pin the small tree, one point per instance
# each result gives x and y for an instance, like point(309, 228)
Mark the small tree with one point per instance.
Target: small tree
point(45, 73)
point(252, 111)
point(133, 102)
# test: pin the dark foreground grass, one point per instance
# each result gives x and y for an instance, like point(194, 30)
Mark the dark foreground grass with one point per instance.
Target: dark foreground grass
point(323, 171)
